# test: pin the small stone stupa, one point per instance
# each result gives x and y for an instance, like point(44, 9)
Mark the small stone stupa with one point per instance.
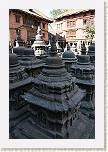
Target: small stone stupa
point(39, 45)
point(85, 79)
point(74, 49)
point(54, 102)
point(19, 82)
point(29, 61)
point(69, 58)
point(19, 49)
point(59, 49)
point(91, 52)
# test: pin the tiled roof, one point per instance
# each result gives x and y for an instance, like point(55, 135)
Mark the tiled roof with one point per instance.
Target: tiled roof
point(70, 12)
point(37, 13)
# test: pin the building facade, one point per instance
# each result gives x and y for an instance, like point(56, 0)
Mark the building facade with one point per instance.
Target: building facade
point(26, 21)
point(71, 24)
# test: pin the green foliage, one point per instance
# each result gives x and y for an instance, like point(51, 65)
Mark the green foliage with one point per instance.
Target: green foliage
point(90, 31)
point(56, 12)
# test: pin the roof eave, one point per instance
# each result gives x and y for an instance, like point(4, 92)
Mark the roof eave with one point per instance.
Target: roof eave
point(50, 21)
point(59, 17)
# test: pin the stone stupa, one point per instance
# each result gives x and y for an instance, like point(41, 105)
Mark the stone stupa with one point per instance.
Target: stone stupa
point(69, 58)
point(39, 45)
point(19, 82)
point(85, 79)
point(54, 102)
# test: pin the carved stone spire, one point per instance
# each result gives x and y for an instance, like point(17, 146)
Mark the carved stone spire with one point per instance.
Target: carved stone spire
point(83, 49)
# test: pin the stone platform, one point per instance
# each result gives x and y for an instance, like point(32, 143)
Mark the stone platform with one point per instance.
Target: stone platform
point(83, 128)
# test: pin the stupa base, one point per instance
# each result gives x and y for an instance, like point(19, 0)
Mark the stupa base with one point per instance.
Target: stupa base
point(83, 128)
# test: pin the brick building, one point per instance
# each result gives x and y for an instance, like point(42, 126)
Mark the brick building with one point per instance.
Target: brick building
point(71, 24)
point(27, 21)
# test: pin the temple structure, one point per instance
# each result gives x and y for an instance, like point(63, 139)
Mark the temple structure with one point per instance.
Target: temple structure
point(69, 58)
point(85, 79)
point(39, 45)
point(54, 102)
point(19, 82)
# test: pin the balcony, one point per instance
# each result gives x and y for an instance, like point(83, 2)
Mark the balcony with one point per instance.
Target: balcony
point(30, 26)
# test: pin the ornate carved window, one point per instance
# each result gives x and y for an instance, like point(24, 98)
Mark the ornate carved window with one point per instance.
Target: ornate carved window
point(17, 19)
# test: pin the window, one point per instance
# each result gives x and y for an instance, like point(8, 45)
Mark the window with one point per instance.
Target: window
point(24, 21)
point(43, 35)
point(67, 24)
point(61, 25)
point(43, 25)
point(72, 33)
point(84, 14)
point(17, 19)
point(38, 23)
point(92, 13)
point(67, 33)
point(35, 23)
point(84, 22)
point(71, 23)
point(92, 20)
point(58, 26)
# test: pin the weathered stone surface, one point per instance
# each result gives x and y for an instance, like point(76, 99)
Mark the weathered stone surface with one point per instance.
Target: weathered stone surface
point(91, 52)
point(28, 60)
point(85, 79)
point(69, 58)
point(39, 45)
point(19, 82)
point(83, 128)
point(54, 102)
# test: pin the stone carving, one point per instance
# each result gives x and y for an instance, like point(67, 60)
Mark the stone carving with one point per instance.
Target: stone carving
point(85, 79)
point(54, 112)
point(39, 45)
point(69, 58)
point(19, 83)
point(28, 60)
point(91, 52)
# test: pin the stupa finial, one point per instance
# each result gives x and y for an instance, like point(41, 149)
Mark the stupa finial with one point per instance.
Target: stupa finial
point(39, 30)
point(83, 49)
point(68, 47)
point(53, 50)
point(28, 45)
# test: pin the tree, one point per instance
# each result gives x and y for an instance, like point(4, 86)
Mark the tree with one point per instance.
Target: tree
point(90, 31)
point(56, 12)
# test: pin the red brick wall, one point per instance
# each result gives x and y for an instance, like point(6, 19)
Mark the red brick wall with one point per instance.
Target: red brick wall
point(13, 25)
